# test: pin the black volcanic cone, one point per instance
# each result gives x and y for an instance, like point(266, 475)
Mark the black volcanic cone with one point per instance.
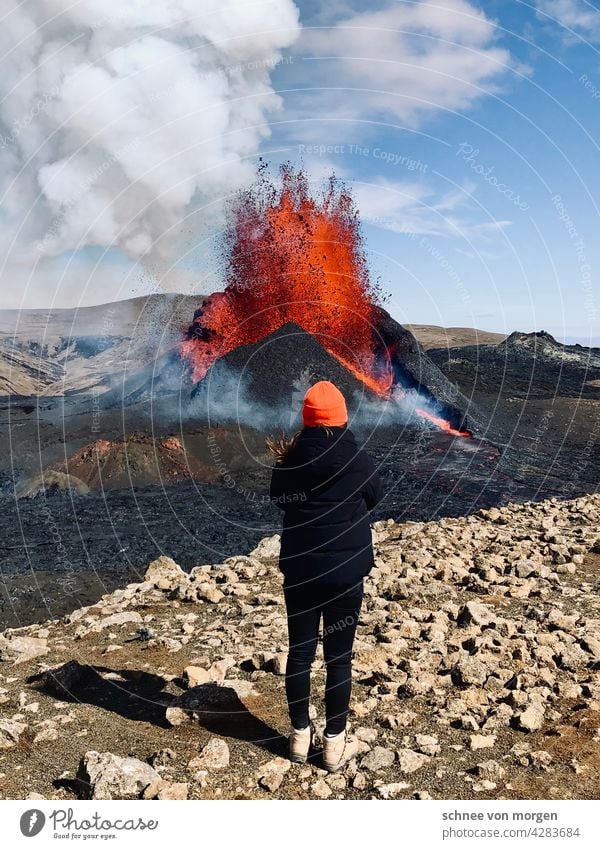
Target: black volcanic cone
point(413, 369)
point(276, 369)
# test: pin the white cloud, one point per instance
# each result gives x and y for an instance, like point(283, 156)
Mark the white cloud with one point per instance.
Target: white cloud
point(414, 207)
point(74, 282)
point(401, 63)
point(118, 119)
point(578, 17)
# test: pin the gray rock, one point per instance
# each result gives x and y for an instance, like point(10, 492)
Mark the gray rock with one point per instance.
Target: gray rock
point(165, 574)
point(428, 744)
point(20, 649)
point(469, 670)
point(591, 645)
point(532, 718)
point(477, 613)
point(178, 790)
point(321, 789)
point(115, 620)
point(267, 549)
point(482, 741)
point(378, 758)
point(410, 761)
point(490, 770)
point(10, 732)
point(270, 775)
point(390, 791)
point(103, 775)
point(194, 676)
point(215, 755)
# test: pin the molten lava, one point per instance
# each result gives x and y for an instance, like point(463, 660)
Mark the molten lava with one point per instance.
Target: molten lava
point(294, 257)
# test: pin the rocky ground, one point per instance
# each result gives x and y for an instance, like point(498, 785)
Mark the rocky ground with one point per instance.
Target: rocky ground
point(477, 674)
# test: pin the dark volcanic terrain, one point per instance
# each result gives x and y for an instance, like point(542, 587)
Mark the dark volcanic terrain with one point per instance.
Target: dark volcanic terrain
point(113, 456)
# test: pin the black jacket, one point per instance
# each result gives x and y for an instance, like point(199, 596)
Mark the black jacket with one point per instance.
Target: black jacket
point(326, 485)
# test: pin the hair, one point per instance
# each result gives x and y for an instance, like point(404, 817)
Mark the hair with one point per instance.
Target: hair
point(281, 446)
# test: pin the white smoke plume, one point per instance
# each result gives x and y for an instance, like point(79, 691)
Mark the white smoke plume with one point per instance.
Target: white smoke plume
point(119, 119)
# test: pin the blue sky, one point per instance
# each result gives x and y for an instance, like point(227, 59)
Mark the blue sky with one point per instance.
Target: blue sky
point(480, 200)
point(468, 132)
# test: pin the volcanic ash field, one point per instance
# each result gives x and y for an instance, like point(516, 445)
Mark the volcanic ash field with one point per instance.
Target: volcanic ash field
point(138, 428)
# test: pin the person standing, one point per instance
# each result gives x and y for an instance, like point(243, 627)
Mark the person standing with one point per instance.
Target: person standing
point(325, 485)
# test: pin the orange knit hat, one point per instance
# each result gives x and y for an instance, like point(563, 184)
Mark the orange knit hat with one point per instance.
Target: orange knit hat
point(324, 404)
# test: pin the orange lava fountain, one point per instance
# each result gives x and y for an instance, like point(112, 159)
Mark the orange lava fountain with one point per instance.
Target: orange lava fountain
point(294, 257)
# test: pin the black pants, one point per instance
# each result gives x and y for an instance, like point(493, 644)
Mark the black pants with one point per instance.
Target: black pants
point(339, 606)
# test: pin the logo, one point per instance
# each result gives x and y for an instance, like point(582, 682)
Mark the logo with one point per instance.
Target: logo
point(32, 822)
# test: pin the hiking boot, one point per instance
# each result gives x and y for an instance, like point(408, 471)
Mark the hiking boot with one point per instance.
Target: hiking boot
point(300, 744)
point(338, 750)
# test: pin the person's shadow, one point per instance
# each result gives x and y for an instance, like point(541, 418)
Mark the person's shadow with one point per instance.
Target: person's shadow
point(141, 696)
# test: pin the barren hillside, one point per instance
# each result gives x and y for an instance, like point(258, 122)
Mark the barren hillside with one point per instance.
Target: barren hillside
point(476, 674)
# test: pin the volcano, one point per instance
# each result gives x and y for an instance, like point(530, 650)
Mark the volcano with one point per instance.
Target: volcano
point(274, 373)
point(297, 260)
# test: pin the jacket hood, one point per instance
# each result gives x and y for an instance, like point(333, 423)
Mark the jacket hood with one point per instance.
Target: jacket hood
point(321, 455)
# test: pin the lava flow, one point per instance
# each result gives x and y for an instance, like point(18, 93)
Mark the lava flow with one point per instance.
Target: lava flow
point(294, 257)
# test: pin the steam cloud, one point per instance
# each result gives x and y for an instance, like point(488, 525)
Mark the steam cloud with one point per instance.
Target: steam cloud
point(119, 118)
point(226, 398)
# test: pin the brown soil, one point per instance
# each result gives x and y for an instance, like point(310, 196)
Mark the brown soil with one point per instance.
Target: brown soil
point(128, 718)
point(431, 336)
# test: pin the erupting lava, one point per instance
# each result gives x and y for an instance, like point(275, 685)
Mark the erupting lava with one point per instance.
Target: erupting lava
point(293, 257)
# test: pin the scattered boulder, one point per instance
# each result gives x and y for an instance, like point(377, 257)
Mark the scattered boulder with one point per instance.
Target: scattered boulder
point(410, 761)
point(214, 755)
point(469, 670)
point(176, 791)
point(108, 776)
point(476, 670)
point(194, 676)
point(378, 758)
point(270, 775)
point(490, 770)
point(321, 789)
point(164, 574)
point(267, 549)
point(10, 732)
point(21, 649)
point(476, 613)
point(482, 741)
point(390, 791)
point(532, 718)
